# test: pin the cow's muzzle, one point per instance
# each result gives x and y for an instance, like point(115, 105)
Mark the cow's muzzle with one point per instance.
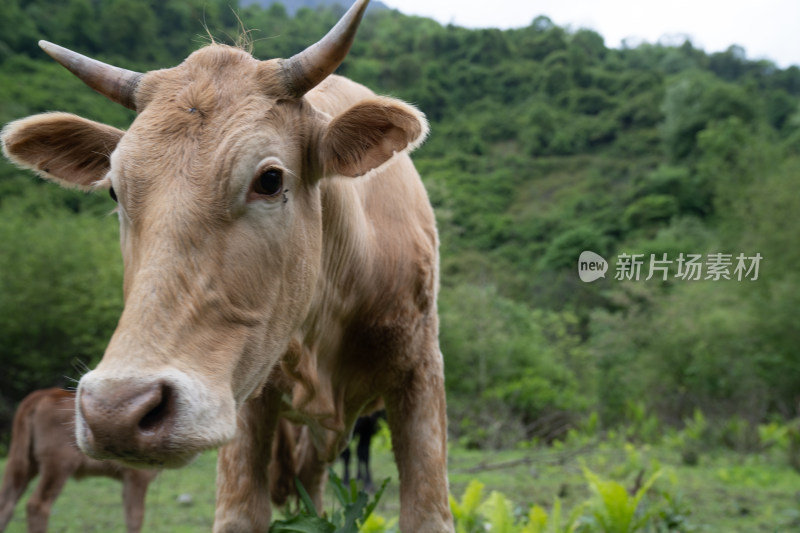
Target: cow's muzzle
point(134, 424)
point(155, 419)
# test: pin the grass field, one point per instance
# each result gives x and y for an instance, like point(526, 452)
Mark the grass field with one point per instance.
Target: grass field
point(725, 492)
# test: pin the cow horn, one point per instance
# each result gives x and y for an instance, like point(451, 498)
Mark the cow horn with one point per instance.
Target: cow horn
point(113, 82)
point(305, 70)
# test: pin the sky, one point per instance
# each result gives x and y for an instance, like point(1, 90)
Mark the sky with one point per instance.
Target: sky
point(767, 29)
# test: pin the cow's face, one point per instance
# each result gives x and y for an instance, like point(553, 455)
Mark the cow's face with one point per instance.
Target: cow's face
point(217, 184)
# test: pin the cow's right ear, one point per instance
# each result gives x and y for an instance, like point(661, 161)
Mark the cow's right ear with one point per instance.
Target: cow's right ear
point(67, 149)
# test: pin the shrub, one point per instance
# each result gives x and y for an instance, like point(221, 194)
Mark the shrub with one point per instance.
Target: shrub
point(356, 509)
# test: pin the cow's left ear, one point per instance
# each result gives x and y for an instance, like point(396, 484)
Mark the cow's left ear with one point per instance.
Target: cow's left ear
point(368, 134)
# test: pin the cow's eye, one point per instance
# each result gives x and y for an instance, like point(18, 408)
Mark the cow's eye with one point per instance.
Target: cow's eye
point(269, 182)
point(112, 194)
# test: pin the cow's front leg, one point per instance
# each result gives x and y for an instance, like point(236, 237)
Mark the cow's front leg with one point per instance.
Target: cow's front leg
point(416, 408)
point(243, 499)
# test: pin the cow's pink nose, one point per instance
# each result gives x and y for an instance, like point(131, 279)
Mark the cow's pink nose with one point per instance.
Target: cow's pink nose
point(128, 421)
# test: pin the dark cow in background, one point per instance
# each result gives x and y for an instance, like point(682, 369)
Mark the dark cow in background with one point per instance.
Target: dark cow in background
point(43, 443)
point(366, 427)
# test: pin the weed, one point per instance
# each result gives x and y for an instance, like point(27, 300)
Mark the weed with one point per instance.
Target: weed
point(355, 510)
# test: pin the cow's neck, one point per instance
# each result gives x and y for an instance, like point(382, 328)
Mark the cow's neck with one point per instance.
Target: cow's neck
point(346, 263)
point(345, 270)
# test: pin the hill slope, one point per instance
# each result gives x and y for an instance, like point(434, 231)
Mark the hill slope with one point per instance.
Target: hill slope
point(544, 143)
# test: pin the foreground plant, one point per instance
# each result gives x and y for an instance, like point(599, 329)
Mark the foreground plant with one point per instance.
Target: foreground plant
point(356, 509)
point(615, 509)
point(496, 514)
point(466, 513)
point(540, 522)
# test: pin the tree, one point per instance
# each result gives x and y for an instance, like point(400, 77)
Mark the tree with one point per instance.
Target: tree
point(60, 292)
point(692, 101)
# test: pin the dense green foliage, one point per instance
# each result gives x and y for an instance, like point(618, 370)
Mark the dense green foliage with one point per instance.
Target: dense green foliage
point(544, 143)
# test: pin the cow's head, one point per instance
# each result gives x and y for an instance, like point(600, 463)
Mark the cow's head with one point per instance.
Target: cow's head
point(217, 182)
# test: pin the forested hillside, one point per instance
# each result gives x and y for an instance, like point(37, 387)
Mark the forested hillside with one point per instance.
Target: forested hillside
point(544, 143)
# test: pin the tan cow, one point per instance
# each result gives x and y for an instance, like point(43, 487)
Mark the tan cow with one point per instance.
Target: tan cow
point(280, 259)
point(43, 443)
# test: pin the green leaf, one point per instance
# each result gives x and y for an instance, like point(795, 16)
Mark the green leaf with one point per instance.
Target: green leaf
point(374, 503)
point(473, 495)
point(305, 498)
point(499, 513)
point(352, 512)
point(339, 489)
point(537, 520)
point(302, 524)
point(377, 524)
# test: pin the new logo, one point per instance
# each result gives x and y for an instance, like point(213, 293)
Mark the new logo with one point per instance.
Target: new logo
point(591, 266)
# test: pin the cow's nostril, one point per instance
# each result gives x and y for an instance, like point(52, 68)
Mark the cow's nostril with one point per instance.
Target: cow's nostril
point(160, 412)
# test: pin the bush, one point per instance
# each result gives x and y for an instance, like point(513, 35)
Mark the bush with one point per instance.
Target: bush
point(650, 210)
point(486, 339)
point(60, 291)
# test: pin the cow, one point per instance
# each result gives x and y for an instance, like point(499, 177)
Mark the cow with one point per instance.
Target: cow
point(280, 260)
point(43, 443)
point(365, 428)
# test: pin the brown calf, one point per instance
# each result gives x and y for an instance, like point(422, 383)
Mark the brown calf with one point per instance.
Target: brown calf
point(43, 442)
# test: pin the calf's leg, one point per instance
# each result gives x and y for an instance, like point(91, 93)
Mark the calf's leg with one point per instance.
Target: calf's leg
point(134, 491)
point(15, 481)
point(51, 482)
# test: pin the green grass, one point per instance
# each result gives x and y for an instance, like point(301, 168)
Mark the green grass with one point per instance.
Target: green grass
point(95, 504)
point(726, 492)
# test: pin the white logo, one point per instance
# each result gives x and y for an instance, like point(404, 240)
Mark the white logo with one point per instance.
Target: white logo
point(591, 266)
